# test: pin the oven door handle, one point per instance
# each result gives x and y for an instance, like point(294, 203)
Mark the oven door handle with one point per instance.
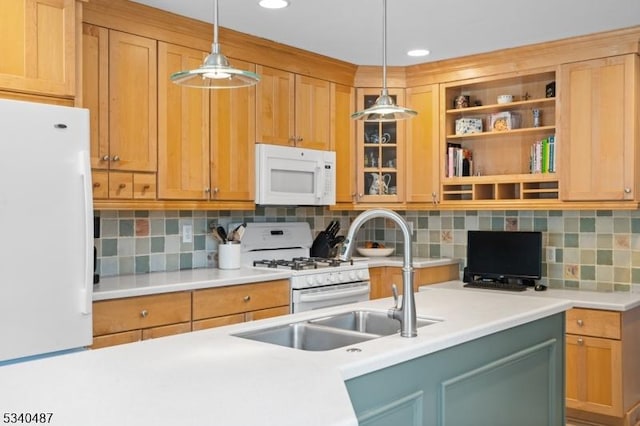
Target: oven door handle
point(330, 295)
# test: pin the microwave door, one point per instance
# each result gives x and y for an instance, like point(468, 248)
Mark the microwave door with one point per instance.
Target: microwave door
point(291, 181)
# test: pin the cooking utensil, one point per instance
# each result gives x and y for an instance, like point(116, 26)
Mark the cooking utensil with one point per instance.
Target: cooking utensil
point(216, 235)
point(222, 233)
point(236, 233)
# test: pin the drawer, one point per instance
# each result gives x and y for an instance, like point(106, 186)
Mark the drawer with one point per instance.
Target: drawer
point(144, 186)
point(218, 321)
point(593, 322)
point(216, 302)
point(120, 185)
point(166, 330)
point(100, 184)
point(112, 316)
point(116, 339)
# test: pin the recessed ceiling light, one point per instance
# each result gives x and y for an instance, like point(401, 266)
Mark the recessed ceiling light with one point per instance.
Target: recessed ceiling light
point(273, 4)
point(418, 52)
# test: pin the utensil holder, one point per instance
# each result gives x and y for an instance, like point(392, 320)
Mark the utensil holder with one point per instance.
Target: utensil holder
point(229, 256)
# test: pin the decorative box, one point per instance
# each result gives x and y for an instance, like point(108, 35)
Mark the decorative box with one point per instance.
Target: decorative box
point(505, 121)
point(468, 125)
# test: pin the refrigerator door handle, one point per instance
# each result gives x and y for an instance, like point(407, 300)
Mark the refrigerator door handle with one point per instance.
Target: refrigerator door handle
point(87, 290)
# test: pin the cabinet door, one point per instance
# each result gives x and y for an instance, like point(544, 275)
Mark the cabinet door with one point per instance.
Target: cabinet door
point(132, 102)
point(95, 91)
point(183, 128)
point(423, 159)
point(312, 113)
point(233, 142)
point(594, 374)
point(379, 287)
point(380, 157)
point(343, 105)
point(275, 106)
point(37, 41)
point(598, 129)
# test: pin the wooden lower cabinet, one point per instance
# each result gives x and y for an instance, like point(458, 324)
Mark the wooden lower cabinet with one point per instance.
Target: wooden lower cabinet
point(131, 319)
point(218, 306)
point(602, 368)
point(382, 277)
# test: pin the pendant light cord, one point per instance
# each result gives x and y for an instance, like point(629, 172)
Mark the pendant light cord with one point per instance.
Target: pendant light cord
point(215, 47)
point(384, 45)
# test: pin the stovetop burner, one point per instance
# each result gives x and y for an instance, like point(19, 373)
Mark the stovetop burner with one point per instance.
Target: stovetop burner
point(302, 263)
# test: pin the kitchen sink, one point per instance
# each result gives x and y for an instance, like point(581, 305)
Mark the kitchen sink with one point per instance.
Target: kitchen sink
point(368, 322)
point(331, 332)
point(306, 336)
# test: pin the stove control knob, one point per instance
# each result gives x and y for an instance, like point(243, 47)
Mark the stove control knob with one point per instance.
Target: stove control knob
point(352, 276)
point(332, 278)
point(309, 281)
point(340, 277)
point(319, 279)
point(360, 275)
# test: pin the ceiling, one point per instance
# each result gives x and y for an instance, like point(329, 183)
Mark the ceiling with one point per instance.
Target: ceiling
point(351, 30)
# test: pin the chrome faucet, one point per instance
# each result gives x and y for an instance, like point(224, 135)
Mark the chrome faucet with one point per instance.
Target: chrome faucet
point(406, 313)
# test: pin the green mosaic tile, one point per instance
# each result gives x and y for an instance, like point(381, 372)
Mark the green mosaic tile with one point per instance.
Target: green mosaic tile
point(199, 242)
point(109, 247)
point(186, 260)
point(621, 287)
point(141, 213)
point(497, 223)
point(559, 255)
point(635, 275)
point(587, 224)
point(540, 224)
point(604, 213)
point(588, 256)
point(604, 257)
point(423, 222)
point(555, 213)
point(171, 227)
point(571, 224)
point(173, 262)
point(142, 264)
point(571, 284)
point(635, 225)
point(621, 275)
point(434, 250)
point(588, 272)
point(458, 222)
point(571, 240)
point(157, 245)
point(125, 228)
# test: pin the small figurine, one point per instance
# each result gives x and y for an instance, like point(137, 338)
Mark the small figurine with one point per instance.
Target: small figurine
point(526, 96)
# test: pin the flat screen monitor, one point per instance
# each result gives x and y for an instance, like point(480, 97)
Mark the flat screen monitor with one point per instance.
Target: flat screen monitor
point(501, 255)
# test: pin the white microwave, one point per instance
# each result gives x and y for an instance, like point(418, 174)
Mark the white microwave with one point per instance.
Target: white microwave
point(288, 175)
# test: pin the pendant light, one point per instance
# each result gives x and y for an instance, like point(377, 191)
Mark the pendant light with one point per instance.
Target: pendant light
point(215, 72)
point(384, 109)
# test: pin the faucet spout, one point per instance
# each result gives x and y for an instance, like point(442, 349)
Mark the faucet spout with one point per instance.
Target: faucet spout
point(406, 313)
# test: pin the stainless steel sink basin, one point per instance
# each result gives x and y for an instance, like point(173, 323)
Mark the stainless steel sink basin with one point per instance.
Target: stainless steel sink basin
point(306, 336)
point(367, 322)
point(331, 332)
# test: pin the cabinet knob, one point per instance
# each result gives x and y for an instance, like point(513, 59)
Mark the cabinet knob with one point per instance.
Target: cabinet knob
point(116, 158)
point(299, 139)
point(105, 158)
point(627, 190)
point(96, 184)
point(434, 198)
point(246, 298)
point(207, 190)
point(122, 185)
point(144, 313)
point(580, 323)
point(580, 341)
point(216, 190)
point(145, 188)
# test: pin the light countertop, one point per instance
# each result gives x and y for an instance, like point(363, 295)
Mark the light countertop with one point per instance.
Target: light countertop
point(193, 279)
point(613, 301)
point(210, 377)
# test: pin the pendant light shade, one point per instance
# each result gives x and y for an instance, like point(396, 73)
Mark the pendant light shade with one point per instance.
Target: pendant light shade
point(215, 72)
point(384, 109)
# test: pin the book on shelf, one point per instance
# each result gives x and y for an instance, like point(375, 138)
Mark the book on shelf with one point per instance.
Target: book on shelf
point(459, 160)
point(542, 158)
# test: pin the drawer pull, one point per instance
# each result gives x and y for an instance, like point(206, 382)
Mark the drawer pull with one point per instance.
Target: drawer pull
point(246, 298)
point(580, 323)
point(580, 341)
point(144, 313)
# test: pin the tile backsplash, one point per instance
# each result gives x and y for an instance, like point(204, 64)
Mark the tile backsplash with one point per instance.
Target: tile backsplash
point(596, 250)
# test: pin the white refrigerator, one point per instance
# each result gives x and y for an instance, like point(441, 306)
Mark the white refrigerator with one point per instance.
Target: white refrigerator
point(46, 230)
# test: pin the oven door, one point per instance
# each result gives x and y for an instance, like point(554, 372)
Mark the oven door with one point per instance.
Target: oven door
point(323, 297)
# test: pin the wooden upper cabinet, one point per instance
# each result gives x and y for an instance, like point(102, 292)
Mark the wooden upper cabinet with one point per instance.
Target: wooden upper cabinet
point(183, 128)
point(132, 102)
point(313, 113)
point(292, 109)
point(275, 106)
point(37, 41)
point(599, 129)
point(422, 155)
point(233, 136)
point(342, 106)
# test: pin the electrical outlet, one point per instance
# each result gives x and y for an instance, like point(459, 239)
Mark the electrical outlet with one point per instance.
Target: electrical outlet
point(187, 233)
point(551, 254)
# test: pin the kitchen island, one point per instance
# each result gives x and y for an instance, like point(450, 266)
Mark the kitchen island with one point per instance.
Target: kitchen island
point(211, 377)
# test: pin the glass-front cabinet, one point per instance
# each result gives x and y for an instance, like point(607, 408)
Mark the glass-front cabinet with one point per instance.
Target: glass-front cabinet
point(380, 153)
